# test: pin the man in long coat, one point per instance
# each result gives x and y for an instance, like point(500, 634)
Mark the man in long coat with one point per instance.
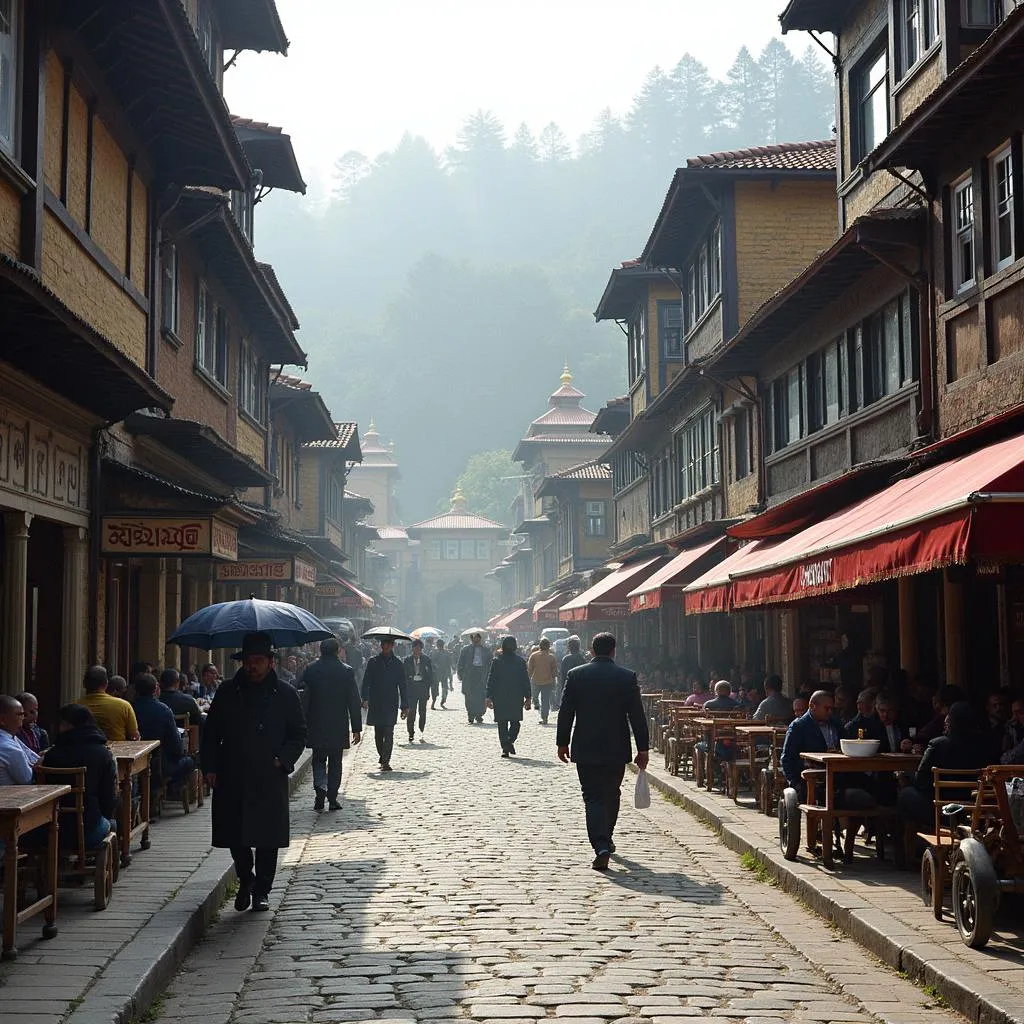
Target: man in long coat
point(253, 736)
point(330, 699)
point(442, 662)
point(419, 684)
point(384, 696)
point(508, 693)
point(473, 667)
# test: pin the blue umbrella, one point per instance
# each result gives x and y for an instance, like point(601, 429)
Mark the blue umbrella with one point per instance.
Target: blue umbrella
point(226, 624)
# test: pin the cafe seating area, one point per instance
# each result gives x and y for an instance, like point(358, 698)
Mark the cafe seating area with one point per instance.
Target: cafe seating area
point(971, 862)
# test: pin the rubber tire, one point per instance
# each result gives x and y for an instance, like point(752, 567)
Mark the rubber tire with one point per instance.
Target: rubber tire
point(931, 882)
point(789, 823)
point(103, 876)
point(975, 894)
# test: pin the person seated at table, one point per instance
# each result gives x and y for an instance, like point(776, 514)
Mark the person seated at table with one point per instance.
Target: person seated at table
point(1014, 734)
point(723, 699)
point(117, 687)
point(843, 706)
point(817, 731)
point(32, 734)
point(115, 717)
point(700, 694)
point(865, 720)
point(801, 702)
point(156, 720)
point(958, 748)
point(892, 735)
point(79, 743)
point(208, 680)
point(16, 759)
point(946, 697)
point(179, 703)
point(775, 703)
point(997, 712)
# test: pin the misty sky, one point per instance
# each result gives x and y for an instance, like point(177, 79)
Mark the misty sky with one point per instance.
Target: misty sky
point(360, 72)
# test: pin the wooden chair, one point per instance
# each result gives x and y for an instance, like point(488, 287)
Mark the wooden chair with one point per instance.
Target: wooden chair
point(952, 786)
point(771, 781)
point(194, 789)
point(101, 864)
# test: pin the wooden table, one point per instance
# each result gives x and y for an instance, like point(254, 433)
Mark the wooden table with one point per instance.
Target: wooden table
point(842, 764)
point(751, 734)
point(709, 723)
point(133, 757)
point(23, 809)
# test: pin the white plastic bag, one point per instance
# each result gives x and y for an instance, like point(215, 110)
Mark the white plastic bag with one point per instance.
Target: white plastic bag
point(642, 793)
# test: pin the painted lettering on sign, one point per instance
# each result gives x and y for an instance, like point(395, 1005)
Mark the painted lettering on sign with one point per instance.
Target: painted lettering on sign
point(271, 570)
point(305, 574)
point(156, 536)
point(816, 574)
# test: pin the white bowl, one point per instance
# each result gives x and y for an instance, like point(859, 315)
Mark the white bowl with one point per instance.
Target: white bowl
point(860, 748)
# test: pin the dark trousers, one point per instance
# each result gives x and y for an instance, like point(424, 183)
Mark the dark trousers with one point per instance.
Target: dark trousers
point(266, 867)
point(417, 703)
point(327, 770)
point(384, 737)
point(544, 694)
point(601, 784)
point(446, 688)
point(508, 733)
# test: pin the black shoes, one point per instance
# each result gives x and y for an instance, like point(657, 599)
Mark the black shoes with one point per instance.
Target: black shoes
point(511, 749)
point(611, 848)
point(504, 753)
point(318, 803)
point(386, 768)
point(260, 904)
point(412, 737)
point(422, 740)
point(600, 862)
point(334, 806)
point(479, 721)
point(244, 896)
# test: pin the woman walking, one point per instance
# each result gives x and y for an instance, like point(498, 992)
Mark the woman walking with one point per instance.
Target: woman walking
point(508, 693)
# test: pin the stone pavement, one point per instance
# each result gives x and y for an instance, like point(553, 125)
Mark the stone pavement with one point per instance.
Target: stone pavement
point(458, 888)
point(878, 906)
point(102, 965)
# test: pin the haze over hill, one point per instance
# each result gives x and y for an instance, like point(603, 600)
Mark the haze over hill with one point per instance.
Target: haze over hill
point(441, 292)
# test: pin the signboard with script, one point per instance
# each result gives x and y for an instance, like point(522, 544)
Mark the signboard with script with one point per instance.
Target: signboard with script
point(305, 574)
point(202, 536)
point(257, 570)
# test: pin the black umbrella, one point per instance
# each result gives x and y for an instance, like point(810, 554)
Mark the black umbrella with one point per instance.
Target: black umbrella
point(385, 633)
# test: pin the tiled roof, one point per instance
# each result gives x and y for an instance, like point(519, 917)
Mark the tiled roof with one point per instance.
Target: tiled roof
point(392, 533)
point(288, 380)
point(783, 156)
point(248, 122)
point(271, 275)
point(564, 439)
point(585, 471)
point(458, 521)
point(614, 403)
point(345, 439)
point(565, 416)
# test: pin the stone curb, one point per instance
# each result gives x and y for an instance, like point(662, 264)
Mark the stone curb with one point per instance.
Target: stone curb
point(969, 991)
point(146, 965)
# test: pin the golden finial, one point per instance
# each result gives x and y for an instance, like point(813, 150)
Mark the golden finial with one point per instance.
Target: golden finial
point(566, 375)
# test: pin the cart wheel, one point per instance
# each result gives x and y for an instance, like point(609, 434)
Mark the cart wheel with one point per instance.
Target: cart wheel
point(698, 769)
point(103, 881)
point(789, 823)
point(975, 893)
point(115, 858)
point(932, 882)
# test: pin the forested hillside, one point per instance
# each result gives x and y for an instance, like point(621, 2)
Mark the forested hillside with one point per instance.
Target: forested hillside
point(441, 292)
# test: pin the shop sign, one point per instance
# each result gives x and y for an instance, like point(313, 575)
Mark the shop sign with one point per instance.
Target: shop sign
point(305, 574)
point(816, 574)
point(333, 534)
point(163, 535)
point(257, 570)
point(329, 590)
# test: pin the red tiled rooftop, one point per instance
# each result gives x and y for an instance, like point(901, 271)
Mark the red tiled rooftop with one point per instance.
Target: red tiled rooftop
point(783, 156)
point(259, 126)
point(586, 471)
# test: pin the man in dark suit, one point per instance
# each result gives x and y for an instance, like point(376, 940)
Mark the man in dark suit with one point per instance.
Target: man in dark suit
point(866, 719)
point(384, 697)
point(419, 682)
point(815, 731)
point(602, 701)
point(330, 701)
point(473, 667)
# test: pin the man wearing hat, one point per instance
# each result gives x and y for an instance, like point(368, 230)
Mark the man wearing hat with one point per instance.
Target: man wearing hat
point(384, 695)
point(473, 668)
point(254, 734)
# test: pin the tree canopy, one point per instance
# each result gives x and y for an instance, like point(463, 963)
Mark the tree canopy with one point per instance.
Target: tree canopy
point(489, 484)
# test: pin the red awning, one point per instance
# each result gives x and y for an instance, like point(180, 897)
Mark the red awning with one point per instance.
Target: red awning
point(355, 598)
point(607, 599)
point(968, 508)
point(711, 592)
point(670, 579)
point(547, 610)
point(517, 620)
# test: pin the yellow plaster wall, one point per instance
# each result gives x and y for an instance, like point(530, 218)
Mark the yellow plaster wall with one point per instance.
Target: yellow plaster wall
point(54, 118)
point(109, 194)
point(78, 146)
point(780, 228)
point(249, 441)
point(10, 220)
point(140, 232)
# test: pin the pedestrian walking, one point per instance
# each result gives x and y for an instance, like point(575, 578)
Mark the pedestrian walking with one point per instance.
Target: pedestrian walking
point(384, 697)
point(543, 670)
point(600, 703)
point(508, 693)
point(571, 660)
point(474, 664)
point(419, 683)
point(254, 734)
point(442, 662)
point(330, 700)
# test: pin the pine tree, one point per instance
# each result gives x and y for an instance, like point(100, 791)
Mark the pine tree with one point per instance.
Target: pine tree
point(693, 93)
point(742, 103)
point(554, 146)
point(776, 68)
point(654, 120)
point(523, 142)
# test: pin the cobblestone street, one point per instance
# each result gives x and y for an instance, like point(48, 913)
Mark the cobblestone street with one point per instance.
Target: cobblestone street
point(460, 887)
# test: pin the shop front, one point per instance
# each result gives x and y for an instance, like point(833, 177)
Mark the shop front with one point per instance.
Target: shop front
point(604, 606)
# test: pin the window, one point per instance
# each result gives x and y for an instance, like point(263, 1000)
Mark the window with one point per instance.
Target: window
point(434, 550)
point(693, 310)
point(451, 550)
point(596, 522)
point(872, 92)
point(981, 13)
point(626, 470)
point(1002, 209)
point(637, 337)
point(741, 461)
point(716, 261)
point(467, 550)
point(910, 32)
point(252, 382)
point(211, 336)
point(242, 210)
point(963, 235)
point(483, 550)
point(698, 455)
point(670, 329)
point(209, 43)
point(794, 405)
point(169, 289)
point(9, 72)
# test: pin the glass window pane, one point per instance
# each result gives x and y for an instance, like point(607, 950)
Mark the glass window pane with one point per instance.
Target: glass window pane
point(831, 384)
point(891, 326)
point(793, 385)
point(8, 71)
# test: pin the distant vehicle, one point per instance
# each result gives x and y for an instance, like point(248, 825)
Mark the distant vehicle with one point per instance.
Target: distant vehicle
point(339, 626)
point(558, 636)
